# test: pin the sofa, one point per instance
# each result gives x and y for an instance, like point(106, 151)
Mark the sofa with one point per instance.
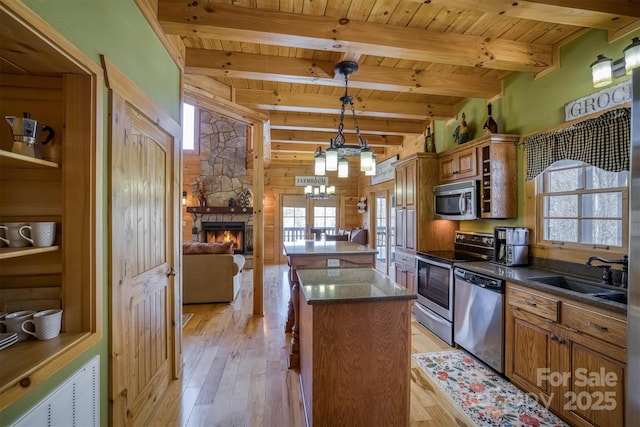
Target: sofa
point(210, 273)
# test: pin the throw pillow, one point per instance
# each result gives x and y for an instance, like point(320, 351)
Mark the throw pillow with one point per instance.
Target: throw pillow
point(194, 248)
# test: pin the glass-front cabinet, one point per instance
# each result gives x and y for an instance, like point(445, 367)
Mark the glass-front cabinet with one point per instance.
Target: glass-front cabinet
point(55, 94)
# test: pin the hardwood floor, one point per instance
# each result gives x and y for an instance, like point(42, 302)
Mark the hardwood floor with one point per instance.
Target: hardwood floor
point(235, 367)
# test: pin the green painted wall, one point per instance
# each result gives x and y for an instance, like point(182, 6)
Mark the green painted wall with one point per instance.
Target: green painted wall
point(529, 106)
point(116, 29)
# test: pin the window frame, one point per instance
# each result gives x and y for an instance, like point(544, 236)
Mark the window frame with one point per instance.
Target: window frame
point(572, 251)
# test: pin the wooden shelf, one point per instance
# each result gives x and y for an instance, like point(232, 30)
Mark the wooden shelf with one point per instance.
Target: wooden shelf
point(218, 209)
point(19, 360)
point(9, 160)
point(6, 253)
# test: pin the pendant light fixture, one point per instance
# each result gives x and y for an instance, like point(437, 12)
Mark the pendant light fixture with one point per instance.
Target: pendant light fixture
point(339, 150)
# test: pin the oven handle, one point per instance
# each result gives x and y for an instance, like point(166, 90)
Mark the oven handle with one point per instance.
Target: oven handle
point(433, 262)
point(461, 204)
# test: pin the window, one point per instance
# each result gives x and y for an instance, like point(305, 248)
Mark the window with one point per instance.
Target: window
point(381, 227)
point(324, 217)
point(583, 204)
point(188, 127)
point(293, 223)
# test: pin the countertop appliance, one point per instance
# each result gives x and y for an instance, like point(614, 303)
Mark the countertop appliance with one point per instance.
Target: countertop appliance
point(458, 200)
point(479, 316)
point(511, 246)
point(435, 306)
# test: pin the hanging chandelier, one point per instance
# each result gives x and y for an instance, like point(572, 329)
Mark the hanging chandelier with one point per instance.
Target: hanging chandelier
point(321, 192)
point(335, 157)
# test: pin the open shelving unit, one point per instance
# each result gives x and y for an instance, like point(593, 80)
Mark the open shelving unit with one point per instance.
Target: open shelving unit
point(42, 73)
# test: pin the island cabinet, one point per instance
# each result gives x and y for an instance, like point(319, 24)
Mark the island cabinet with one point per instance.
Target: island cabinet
point(355, 348)
point(416, 228)
point(491, 160)
point(44, 75)
point(569, 355)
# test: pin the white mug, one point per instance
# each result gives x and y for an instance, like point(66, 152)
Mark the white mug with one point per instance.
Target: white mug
point(41, 234)
point(47, 324)
point(13, 322)
point(13, 238)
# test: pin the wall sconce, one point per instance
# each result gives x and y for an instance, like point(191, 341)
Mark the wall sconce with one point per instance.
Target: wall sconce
point(362, 205)
point(604, 69)
point(184, 198)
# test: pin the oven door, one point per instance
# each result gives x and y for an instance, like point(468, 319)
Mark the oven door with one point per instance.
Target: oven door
point(435, 286)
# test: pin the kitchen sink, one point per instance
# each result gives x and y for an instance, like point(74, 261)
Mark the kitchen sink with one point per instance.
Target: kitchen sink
point(571, 284)
point(582, 287)
point(613, 296)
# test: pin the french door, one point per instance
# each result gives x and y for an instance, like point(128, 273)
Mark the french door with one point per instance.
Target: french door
point(384, 232)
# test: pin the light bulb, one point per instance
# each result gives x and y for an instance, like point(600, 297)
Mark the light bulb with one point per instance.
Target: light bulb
point(366, 158)
point(320, 162)
point(343, 168)
point(632, 55)
point(331, 158)
point(601, 71)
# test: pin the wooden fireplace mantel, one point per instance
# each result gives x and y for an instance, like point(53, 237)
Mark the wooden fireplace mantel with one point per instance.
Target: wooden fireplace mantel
point(219, 210)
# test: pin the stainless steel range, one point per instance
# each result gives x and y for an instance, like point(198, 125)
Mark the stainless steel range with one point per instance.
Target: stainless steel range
point(435, 305)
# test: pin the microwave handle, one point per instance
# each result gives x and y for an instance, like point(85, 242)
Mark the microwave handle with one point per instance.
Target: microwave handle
point(461, 204)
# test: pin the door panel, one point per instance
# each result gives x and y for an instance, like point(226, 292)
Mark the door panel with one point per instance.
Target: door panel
point(142, 232)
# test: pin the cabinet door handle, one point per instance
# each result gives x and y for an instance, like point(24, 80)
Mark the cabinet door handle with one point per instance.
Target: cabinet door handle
point(171, 272)
point(595, 325)
point(532, 304)
point(554, 338)
point(561, 340)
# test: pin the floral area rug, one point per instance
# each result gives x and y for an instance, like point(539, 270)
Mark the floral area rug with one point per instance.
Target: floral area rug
point(485, 397)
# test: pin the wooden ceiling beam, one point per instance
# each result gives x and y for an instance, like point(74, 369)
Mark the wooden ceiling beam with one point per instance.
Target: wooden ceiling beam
point(307, 71)
point(325, 104)
point(329, 123)
point(244, 24)
point(292, 147)
point(313, 137)
point(603, 14)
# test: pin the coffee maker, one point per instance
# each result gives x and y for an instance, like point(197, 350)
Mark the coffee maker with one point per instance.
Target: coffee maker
point(511, 246)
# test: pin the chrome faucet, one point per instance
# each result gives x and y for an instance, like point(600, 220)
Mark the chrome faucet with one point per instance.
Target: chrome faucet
point(606, 273)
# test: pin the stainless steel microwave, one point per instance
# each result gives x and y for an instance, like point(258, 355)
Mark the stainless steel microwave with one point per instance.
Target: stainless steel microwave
point(458, 200)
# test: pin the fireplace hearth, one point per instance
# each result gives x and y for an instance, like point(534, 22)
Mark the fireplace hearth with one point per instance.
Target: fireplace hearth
point(226, 232)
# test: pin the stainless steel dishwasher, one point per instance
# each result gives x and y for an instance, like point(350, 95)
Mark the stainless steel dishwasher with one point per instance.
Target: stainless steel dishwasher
point(479, 316)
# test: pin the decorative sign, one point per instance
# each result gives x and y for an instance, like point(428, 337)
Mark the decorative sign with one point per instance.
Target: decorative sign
point(303, 181)
point(384, 171)
point(601, 100)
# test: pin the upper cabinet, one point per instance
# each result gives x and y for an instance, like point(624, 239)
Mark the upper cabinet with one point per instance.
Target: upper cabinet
point(43, 74)
point(492, 160)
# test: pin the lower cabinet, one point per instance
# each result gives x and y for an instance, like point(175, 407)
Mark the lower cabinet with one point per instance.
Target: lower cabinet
point(575, 366)
point(406, 270)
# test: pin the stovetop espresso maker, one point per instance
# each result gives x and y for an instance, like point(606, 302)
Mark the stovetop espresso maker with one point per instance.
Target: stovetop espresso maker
point(28, 131)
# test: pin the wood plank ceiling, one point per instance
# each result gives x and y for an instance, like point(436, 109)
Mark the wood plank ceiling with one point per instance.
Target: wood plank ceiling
point(417, 59)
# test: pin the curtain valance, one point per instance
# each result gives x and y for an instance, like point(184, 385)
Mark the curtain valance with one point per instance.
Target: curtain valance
point(603, 141)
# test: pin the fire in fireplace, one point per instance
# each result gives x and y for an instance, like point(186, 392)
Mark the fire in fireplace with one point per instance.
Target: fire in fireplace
point(226, 232)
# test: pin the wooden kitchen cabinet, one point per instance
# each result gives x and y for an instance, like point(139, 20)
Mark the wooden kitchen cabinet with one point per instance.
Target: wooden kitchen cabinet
point(459, 164)
point(43, 74)
point(492, 160)
point(586, 344)
point(405, 266)
point(416, 228)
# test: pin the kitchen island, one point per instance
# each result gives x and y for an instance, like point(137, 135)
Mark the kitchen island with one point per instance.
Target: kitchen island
point(318, 254)
point(355, 347)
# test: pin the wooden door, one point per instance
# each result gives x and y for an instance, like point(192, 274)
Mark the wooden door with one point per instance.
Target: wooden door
point(143, 241)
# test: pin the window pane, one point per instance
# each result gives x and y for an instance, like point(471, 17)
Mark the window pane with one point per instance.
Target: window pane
point(602, 232)
point(561, 206)
point(565, 180)
point(602, 205)
point(287, 211)
point(561, 230)
point(188, 126)
point(600, 178)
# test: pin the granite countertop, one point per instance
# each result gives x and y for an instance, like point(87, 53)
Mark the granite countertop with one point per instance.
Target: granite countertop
point(348, 285)
point(522, 276)
point(321, 247)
